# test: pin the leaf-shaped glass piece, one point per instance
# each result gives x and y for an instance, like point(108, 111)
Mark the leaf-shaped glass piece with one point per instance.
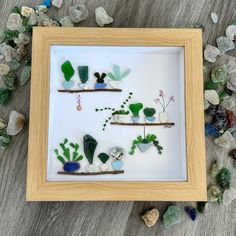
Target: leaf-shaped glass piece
point(110, 75)
point(90, 145)
point(125, 73)
point(135, 108)
point(67, 70)
point(103, 157)
point(83, 73)
point(117, 72)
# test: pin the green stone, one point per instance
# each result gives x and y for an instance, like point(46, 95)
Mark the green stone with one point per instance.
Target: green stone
point(25, 75)
point(10, 34)
point(5, 139)
point(67, 70)
point(201, 206)
point(103, 157)
point(214, 194)
point(208, 85)
point(5, 95)
point(220, 74)
point(14, 64)
point(15, 10)
point(10, 81)
point(172, 216)
point(224, 178)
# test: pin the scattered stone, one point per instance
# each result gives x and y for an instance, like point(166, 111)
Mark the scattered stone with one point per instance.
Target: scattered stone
point(228, 196)
point(66, 22)
point(14, 22)
point(41, 18)
point(211, 53)
point(78, 13)
point(10, 81)
point(224, 178)
point(224, 44)
point(27, 11)
point(231, 32)
point(224, 140)
point(201, 206)
point(212, 97)
point(209, 84)
point(231, 84)
point(33, 19)
point(220, 74)
point(232, 153)
point(199, 26)
point(216, 167)
point(219, 122)
point(16, 123)
point(231, 66)
point(101, 17)
point(230, 119)
point(3, 123)
point(216, 111)
point(14, 64)
point(172, 216)
point(191, 212)
point(4, 69)
point(150, 217)
point(25, 75)
point(5, 139)
point(214, 17)
point(229, 103)
point(5, 95)
point(57, 3)
point(47, 3)
point(23, 39)
point(41, 9)
point(7, 51)
point(214, 194)
point(21, 52)
point(50, 23)
point(211, 130)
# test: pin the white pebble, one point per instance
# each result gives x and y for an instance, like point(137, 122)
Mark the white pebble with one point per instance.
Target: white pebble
point(102, 17)
point(231, 32)
point(214, 17)
point(210, 53)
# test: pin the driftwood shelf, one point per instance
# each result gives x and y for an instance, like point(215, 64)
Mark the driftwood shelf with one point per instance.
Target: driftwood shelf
point(143, 124)
point(88, 90)
point(115, 172)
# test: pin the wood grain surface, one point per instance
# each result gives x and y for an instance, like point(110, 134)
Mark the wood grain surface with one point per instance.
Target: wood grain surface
point(109, 218)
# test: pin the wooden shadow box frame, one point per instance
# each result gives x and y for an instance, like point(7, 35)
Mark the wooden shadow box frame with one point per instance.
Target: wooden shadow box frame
point(39, 189)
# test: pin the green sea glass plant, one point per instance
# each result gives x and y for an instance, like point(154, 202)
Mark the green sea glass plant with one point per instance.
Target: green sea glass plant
point(90, 145)
point(67, 156)
point(83, 73)
point(68, 70)
point(117, 74)
point(135, 108)
point(149, 112)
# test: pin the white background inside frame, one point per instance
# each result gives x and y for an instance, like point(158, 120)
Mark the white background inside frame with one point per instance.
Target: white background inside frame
point(152, 69)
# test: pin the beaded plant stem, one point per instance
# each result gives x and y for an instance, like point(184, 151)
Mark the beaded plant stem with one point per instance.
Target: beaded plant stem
point(113, 110)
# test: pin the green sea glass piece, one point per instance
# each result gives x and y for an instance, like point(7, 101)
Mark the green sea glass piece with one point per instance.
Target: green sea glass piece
point(103, 157)
point(208, 85)
point(172, 216)
point(25, 75)
point(135, 108)
point(83, 73)
point(220, 74)
point(5, 95)
point(224, 178)
point(90, 145)
point(14, 64)
point(67, 70)
point(201, 206)
point(10, 81)
point(5, 139)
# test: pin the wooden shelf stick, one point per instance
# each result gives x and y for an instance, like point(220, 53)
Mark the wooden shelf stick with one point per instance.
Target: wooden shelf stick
point(115, 172)
point(88, 90)
point(143, 124)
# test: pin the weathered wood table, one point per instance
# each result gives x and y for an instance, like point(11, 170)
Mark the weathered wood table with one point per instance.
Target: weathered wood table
point(20, 218)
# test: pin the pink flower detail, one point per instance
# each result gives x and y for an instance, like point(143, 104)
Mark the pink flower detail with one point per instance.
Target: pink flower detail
point(172, 98)
point(161, 94)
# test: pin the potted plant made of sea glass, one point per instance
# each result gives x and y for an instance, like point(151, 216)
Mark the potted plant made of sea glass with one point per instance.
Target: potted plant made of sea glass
point(90, 145)
point(149, 113)
point(145, 143)
point(103, 157)
point(84, 76)
point(135, 109)
point(163, 116)
point(68, 72)
point(116, 76)
point(69, 158)
point(117, 153)
point(100, 80)
point(120, 116)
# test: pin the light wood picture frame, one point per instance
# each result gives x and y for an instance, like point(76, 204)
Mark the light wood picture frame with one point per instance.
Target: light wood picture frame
point(193, 189)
